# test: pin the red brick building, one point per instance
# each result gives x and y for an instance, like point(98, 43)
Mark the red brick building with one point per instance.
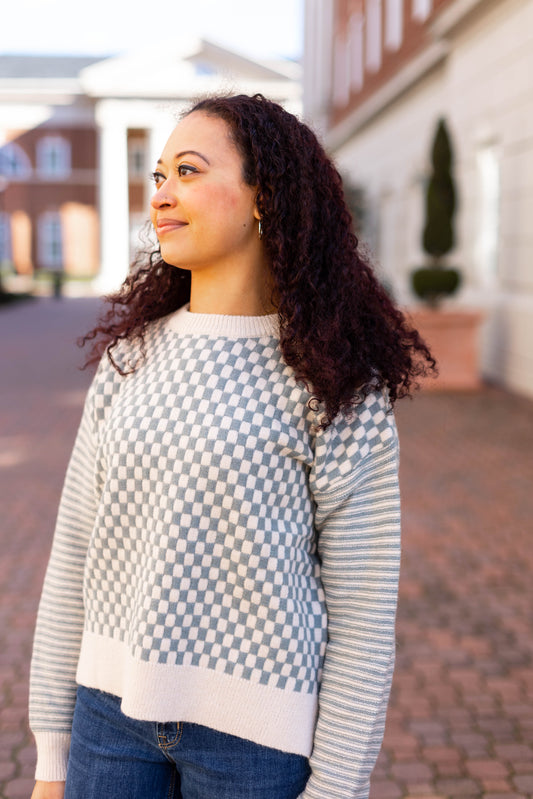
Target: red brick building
point(48, 167)
point(373, 41)
point(79, 136)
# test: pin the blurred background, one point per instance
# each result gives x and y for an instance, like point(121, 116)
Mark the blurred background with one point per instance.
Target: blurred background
point(426, 107)
point(86, 104)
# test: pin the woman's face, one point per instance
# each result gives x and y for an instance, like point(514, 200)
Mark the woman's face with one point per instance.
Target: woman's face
point(203, 212)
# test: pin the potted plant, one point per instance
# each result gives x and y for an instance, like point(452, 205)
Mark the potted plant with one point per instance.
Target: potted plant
point(453, 333)
point(435, 281)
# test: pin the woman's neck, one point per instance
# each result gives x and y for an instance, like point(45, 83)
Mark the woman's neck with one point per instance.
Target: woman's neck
point(233, 294)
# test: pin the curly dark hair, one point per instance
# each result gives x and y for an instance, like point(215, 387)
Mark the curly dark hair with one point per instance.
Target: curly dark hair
point(339, 330)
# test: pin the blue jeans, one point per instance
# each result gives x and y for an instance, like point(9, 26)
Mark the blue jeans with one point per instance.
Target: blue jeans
point(114, 756)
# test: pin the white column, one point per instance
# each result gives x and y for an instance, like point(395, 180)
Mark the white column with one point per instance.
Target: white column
point(114, 201)
point(161, 126)
point(158, 136)
point(162, 122)
point(161, 119)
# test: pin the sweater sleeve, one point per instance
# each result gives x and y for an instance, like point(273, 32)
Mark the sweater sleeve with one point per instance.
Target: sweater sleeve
point(358, 524)
point(60, 617)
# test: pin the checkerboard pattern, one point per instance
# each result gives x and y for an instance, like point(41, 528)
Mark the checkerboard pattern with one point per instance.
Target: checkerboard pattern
point(203, 550)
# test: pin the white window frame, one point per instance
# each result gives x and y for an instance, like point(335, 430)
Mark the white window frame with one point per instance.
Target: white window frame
point(488, 226)
point(14, 162)
point(5, 237)
point(50, 240)
point(136, 153)
point(393, 24)
point(374, 45)
point(53, 158)
point(421, 9)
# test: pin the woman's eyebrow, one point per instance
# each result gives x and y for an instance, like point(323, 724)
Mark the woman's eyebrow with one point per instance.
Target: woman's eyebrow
point(190, 152)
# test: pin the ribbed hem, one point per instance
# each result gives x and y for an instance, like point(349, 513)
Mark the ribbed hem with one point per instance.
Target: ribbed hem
point(159, 692)
point(52, 755)
point(183, 321)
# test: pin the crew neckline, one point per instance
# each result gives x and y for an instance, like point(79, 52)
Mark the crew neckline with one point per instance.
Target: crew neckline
point(185, 321)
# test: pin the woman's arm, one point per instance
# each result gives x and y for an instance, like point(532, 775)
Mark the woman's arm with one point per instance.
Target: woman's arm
point(359, 546)
point(60, 617)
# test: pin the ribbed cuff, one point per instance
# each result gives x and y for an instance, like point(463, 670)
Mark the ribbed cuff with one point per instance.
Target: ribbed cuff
point(52, 755)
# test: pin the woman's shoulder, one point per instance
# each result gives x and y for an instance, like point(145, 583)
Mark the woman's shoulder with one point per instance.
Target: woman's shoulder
point(370, 421)
point(369, 428)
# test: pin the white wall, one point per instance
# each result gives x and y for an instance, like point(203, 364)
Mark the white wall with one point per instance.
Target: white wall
point(484, 89)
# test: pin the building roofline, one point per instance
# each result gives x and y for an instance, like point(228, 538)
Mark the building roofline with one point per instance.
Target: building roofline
point(450, 18)
point(21, 66)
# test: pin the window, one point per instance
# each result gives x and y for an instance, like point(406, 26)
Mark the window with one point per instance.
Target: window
point(422, 9)
point(5, 237)
point(394, 24)
point(388, 235)
point(341, 73)
point(14, 163)
point(356, 50)
point(53, 157)
point(50, 240)
point(373, 35)
point(203, 68)
point(137, 158)
point(488, 168)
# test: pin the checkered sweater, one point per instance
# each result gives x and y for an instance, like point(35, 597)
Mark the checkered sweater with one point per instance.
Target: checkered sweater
point(219, 560)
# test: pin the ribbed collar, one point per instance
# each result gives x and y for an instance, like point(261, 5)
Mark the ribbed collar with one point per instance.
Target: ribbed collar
point(215, 325)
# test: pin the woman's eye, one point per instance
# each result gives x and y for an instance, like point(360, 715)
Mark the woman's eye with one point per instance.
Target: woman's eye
point(186, 169)
point(157, 177)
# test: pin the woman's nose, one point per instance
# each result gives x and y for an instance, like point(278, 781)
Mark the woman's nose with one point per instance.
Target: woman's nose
point(162, 199)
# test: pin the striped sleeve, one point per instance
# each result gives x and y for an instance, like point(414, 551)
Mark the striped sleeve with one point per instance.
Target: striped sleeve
point(359, 546)
point(60, 617)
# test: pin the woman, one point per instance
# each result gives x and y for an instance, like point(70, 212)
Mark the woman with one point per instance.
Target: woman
point(228, 536)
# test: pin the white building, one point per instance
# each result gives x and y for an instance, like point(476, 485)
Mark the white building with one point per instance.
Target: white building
point(378, 74)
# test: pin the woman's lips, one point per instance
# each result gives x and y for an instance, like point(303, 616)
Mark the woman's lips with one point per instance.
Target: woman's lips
point(167, 225)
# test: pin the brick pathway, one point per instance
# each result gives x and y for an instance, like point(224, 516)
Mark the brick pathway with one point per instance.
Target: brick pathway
point(461, 717)
point(41, 394)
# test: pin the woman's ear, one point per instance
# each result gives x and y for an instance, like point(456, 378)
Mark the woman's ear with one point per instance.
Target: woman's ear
point(257, 206)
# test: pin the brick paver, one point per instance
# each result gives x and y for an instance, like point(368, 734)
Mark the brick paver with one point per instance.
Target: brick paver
point(461, 717)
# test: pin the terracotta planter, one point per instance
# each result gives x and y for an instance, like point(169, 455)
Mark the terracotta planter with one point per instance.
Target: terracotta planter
point(453, 337)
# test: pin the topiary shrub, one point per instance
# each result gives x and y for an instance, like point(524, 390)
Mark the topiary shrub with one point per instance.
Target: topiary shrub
point(434, 282)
